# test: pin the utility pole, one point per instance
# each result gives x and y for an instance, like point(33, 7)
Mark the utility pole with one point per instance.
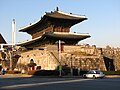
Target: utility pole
point(71, 69)
point(59, 53)
point(11, 63)
point(13, 43)
point(13, 33)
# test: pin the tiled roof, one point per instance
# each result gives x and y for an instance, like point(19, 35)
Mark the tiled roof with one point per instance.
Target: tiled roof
point(56, 15)
point(56, 35)
point(2, 40)
point(63, 15)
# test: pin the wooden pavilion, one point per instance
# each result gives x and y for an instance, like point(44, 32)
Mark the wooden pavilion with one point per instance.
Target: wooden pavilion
point(54, 26)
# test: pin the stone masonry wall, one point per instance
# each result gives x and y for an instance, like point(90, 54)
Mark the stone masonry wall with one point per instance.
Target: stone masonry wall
point(85, 57)
point(42, 58)
point(83, 62)
point(102, 58)
point(113, 54)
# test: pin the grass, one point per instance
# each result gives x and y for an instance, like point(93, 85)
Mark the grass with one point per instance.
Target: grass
point(111, 72)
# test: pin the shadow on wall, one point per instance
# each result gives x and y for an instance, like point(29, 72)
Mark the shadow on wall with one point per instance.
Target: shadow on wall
point(109, 64)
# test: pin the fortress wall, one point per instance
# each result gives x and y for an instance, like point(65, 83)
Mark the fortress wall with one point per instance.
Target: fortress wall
point(83, 62)
point(87, 49)
point(98, 59)
point(42, 58)
point(113, 53)
point(70, 48)
point(95, 61)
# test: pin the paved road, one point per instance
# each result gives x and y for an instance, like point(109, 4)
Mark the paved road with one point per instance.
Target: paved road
point(37, 83)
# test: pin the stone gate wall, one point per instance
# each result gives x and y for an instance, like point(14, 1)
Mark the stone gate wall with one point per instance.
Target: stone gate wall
point(42, 58)
point(93, 57)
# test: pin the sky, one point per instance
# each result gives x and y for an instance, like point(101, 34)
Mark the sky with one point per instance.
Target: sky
point(103, 22)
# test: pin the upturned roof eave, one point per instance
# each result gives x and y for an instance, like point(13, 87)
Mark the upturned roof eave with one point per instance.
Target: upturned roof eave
point(69, 36)
point(76, 17)
point(57, 35)
point(24, 29)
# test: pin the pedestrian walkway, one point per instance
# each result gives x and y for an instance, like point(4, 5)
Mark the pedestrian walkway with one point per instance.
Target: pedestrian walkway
point(25, 75)
point(14, 75)
point(112, 76)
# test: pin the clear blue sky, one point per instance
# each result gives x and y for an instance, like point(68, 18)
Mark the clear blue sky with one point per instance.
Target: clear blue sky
point(103, 22)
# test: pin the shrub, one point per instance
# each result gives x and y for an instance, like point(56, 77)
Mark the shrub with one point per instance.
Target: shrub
point(75, 72)
point(44, 72)
point(111, 72)
point(13, 72)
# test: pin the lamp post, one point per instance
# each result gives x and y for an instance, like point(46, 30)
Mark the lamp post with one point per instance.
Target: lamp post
point(71, 69)
point(79, 67)
point(59, 57)
point(11, 53)
point(11, 63)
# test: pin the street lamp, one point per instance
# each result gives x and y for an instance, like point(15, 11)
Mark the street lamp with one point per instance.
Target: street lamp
point(59, 56)
point(71, 69)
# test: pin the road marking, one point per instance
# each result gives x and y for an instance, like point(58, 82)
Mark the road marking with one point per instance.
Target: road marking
point(45, 83)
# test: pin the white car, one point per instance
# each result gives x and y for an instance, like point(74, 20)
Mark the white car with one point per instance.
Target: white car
point(94, 74)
